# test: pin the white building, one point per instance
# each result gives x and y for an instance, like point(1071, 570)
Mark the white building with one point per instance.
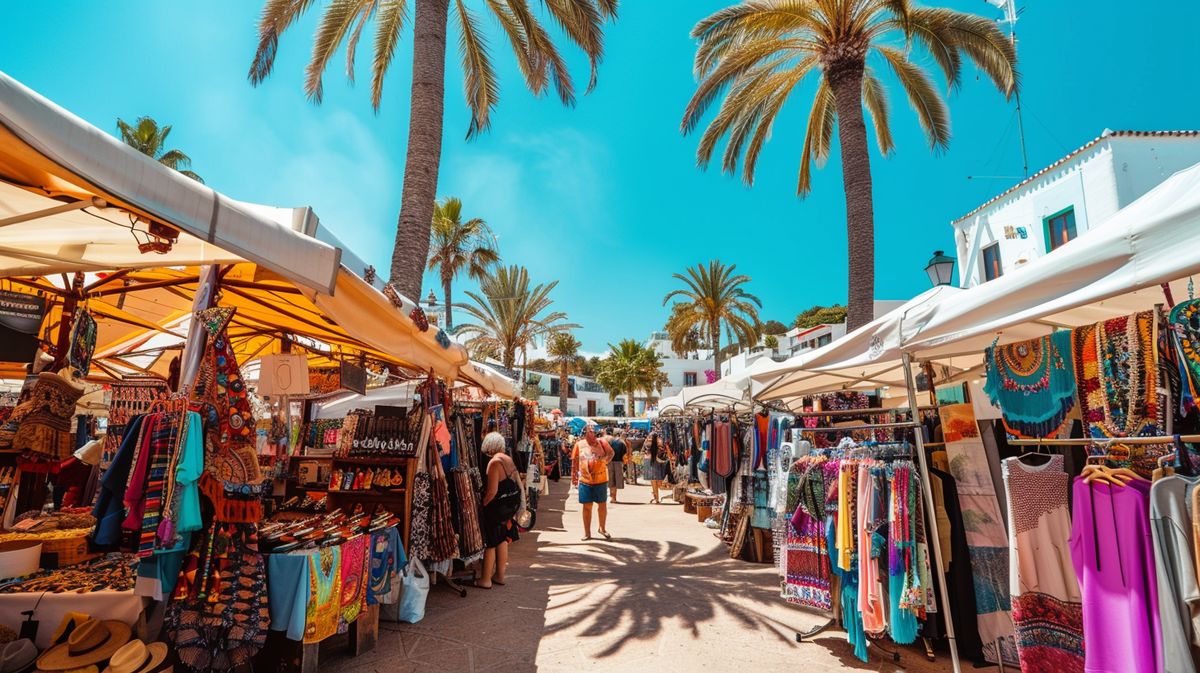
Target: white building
point(585, 397)
point(680, 371)
point(1067, 198)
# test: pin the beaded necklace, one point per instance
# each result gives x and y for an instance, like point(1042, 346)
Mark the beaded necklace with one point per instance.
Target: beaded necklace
point(1117, 364)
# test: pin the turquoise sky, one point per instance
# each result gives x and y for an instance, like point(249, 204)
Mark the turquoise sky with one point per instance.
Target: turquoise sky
point(605, 197)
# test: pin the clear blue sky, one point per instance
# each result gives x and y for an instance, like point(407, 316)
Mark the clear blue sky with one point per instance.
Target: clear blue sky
point(605, 197)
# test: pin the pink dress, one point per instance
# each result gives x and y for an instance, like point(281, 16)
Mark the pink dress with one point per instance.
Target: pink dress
point(870, 590)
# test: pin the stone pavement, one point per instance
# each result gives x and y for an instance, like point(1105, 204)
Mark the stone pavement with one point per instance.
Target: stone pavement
point(663, 594)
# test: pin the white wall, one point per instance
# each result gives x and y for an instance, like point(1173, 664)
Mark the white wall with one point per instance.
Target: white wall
point(1095, 183)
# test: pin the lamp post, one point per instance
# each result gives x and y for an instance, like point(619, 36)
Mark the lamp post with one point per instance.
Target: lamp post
point(940, 269)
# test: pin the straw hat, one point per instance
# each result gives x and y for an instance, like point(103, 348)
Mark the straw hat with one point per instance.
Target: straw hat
point(137, 657)
point(91, 643)
point(89, 454)
point(18, 656)
point(93, 668)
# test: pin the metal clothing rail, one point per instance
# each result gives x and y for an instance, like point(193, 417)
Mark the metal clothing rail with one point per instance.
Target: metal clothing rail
point(872, 411)
point(1105, 441)
point(870, 426)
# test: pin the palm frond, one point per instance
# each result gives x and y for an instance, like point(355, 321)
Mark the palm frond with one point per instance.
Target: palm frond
point(389, 20)
point(542, 50)
point(352, 44)
point(536, 77)
point(979, 38)
point(277, 16)
point(931, 110)
point(818, 136)
point(583, 23)
point(875, 100)
point(479, 75)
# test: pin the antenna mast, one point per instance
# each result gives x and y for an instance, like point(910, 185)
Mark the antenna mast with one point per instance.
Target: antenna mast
point(1010, 17)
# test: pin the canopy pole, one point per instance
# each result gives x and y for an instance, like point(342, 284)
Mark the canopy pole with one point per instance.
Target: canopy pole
point(206, 294)
point(54, 210)
point(927, 491)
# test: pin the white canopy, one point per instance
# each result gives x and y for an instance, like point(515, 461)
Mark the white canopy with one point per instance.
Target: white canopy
point(722, 394)
point(672, 404)
point(1114, 270)
point(92, 190)
point(486, 377)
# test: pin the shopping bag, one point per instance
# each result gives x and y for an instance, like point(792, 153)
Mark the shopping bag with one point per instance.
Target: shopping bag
point(415, 591)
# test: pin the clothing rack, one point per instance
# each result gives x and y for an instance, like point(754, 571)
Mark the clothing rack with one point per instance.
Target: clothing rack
point(1093, 441)
point(870, 411)
point(853, 428)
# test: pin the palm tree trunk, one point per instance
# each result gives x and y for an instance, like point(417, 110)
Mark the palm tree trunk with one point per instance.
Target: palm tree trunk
point(449, 305)
point(562, 385)
point(845, 78)
point(428, 97)
point(714, 337)
point(629, 412)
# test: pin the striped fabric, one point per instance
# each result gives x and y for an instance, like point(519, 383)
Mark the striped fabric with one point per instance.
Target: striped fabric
point(163, 445)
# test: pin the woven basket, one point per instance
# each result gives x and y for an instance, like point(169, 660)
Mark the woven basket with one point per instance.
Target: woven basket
point(66, 551)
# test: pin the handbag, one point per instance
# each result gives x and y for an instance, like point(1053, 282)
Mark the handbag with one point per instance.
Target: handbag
point(415, 591)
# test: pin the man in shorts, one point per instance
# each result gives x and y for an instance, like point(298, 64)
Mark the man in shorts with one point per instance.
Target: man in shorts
point(589, 462)
point(616, 471)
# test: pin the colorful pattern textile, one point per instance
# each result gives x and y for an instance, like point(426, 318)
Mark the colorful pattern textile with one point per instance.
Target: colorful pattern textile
point(987, 539)
point(1033, 383)
point(1116, 367)
point(807, 580)
point(164, 450)
point(1047, 609)
point(387, 560)
point(354, 580)
point(45, 417)
point(324, 594)
point(220, 615)
point(1185, 327)
point(83, 343)
point(418, 531)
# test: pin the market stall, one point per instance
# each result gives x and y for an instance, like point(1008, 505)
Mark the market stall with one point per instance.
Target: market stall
point(163, 338)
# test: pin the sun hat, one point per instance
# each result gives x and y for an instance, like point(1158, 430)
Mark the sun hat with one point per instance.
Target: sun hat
point(90, 453)
point(18, 656)
point(92, 668)
point(70, 621)
point(137, 657)
point(91, 643)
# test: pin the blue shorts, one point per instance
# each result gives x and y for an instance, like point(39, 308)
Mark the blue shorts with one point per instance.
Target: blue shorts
point(589, 493)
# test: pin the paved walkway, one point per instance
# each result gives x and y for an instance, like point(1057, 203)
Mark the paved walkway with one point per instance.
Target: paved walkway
point(664, 594)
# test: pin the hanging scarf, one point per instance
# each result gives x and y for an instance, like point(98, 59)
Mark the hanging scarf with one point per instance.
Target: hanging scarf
point(1033, 383)
point(1116, 366)
point(83, 343)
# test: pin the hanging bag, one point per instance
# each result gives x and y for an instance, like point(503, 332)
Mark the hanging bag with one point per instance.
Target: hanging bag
point(415, 582)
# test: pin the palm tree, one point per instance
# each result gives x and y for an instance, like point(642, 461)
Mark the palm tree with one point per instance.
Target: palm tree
point(538, 59)
point(714, 298)
point(630, 367)
point(757, 52)
point(147, 137)
point(683, 342)
point(510, 314)
point(459, 245)
point(563, 349)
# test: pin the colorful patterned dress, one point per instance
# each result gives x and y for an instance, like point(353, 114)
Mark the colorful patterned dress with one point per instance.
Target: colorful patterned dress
point(808, 574)
point(1046, 604)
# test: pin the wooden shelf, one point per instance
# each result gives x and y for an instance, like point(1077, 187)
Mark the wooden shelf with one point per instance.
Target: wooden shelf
point(369, 491)
point(381, 460)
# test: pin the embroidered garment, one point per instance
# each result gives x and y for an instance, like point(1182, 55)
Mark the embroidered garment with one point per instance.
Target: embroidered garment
point(1047, 609)
point(1117, 371)
point(808, 574)
point(45, 418)
point(1185, 327)
point(83, 343)
point(324, 594)
point(1033, 383)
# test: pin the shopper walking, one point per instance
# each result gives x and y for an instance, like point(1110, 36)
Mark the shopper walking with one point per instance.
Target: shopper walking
point(656, 460)
point(589, 460)
point(616, 474)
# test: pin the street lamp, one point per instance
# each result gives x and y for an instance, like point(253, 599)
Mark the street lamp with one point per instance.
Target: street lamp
point(940, 268)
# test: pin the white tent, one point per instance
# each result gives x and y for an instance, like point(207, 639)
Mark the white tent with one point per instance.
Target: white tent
point(722, 394)
point(1114, 270)
point(73, 198)
point(672, 404)
point(867, 358)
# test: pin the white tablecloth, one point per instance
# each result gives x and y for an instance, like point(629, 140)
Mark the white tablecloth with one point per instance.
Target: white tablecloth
point(120, 605)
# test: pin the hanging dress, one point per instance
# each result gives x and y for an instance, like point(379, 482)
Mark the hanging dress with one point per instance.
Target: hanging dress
point(1046, 605)
point(1033, 383)
point(1112, 556)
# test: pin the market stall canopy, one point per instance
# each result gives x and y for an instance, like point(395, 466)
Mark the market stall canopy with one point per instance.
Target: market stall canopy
point(489, 379)
point(867, 358)
point(723, 394)
point(1115, 269)
point(672, 404)
point(73, 198)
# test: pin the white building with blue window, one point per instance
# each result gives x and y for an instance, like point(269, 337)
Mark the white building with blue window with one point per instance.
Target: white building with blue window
point(1067, 198)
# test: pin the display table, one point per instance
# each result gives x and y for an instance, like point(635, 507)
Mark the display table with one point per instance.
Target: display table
point(49, 609)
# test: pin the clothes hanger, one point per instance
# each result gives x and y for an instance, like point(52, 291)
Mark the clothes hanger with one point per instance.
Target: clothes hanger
point(1035, 451)
point(1163, 469)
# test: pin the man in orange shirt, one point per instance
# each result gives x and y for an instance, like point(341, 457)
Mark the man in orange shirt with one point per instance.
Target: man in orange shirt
point(589, 462)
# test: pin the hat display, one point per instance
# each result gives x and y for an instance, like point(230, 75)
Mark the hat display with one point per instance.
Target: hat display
point(137, 657)
point(70, 621)
point(18, 656)
point(90, 643)
point(93, 668)
point(46, 426)
point(89, 454)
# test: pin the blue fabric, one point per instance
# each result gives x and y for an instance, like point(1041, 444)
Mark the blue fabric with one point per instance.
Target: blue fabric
point(287, 593)
point(593, 493)
point(187, 475)
point(387, 562)
point(109, 509)
point(851, 616)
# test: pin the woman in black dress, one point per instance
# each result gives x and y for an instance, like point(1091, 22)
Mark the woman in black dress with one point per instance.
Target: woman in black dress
point(501, 503)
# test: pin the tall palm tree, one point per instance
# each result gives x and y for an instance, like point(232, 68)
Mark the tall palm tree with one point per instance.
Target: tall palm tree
point(538, 59)
point(458, 246)
point(510, 314)
point(629, 367)
point(757, 52)
point(713, 298)
point(563, 349)
point(147, 137)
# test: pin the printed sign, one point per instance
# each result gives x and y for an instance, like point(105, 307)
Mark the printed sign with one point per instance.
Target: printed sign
point(21, 312)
